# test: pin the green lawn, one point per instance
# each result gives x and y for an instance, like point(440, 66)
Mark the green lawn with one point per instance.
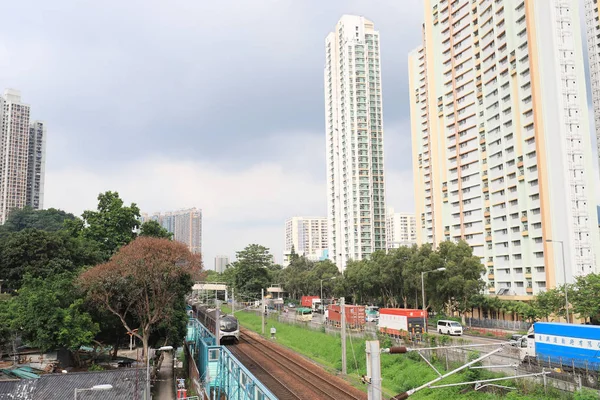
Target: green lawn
point(399, 372)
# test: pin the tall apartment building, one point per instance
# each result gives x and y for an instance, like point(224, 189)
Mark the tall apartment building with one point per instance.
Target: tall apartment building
point(400, 229)
point(36, 169)
point(221, 263)
point(185, 225)
point(22, 156)
point(354, 127)
point(308, 237)
point(500, 134)
point(592, 21)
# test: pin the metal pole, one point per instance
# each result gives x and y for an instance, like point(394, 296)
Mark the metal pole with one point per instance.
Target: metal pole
point(75, 394)
point(374, 370)
point(562, 248)
point(232, 301)
point(321, 291)
point(218, 326)
point(423, 296)
point(343, 317)
point(130, 341)
point(263, 308)
point(148, 373)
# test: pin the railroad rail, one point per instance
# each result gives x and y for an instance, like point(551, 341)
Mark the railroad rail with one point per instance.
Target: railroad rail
point(300, 378)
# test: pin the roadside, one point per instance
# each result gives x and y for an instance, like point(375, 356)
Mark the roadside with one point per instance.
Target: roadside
point(165, 386)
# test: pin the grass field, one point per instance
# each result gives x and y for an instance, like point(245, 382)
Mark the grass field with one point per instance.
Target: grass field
point(399, 372)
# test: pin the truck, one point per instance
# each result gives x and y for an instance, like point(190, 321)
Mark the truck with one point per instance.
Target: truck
point(401, 321)
point(312, 302)
point(559, 345)
point(355, 315)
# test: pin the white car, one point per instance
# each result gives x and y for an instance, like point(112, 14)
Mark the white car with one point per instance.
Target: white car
point(449, 327)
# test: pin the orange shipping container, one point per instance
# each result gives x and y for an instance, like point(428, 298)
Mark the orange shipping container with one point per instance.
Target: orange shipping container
point(355, 315)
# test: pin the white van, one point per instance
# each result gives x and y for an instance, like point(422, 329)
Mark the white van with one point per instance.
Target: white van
point(449, 327)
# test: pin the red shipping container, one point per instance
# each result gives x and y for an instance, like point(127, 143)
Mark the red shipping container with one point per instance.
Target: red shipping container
point(307, 301)
point(355, 315)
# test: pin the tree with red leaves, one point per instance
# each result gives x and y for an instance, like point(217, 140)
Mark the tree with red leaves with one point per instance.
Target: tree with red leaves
point(145, 281)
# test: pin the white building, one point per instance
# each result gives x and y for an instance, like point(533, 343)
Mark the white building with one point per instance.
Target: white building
point(221, 263)
point(307, 236)
point(354, 127)
point(185, 225)
point(400, 229)
point(14, 152)
point(592, 21)
point(501, 148)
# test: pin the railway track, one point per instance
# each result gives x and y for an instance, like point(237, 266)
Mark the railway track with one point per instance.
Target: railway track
point(315, 383)
point(275, 385)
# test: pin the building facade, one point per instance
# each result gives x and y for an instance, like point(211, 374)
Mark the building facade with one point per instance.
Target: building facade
point(14, 149)
point(354, 129)
point(400, 229)
point(36, 169)
point(307, 236)
point(592, 22)
point(221, 263)
point(501, 148)
point(185, 225)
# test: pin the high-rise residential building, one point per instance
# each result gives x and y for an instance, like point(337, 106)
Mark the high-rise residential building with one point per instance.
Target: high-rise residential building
point(501, 147)
point(592, 21)
point(354, 127)
point(185, 225)
point(221, 263)
point(14, 149)
point(307, 236)
point(400, 229)
point(36, 169)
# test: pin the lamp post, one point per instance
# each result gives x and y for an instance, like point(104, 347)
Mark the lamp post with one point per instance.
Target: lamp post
point(328, 279)
point(562, 250)
point(164, 348)
point(423, 294)
point(106, 386)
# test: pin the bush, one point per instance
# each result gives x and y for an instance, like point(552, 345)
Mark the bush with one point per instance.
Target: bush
point(586, 394)
point(95, 367)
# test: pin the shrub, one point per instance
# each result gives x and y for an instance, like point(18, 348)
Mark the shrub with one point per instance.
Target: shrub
point(586, 394)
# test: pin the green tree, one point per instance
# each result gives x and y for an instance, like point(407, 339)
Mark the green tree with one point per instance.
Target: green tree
point(145, 282)
point(43, 254)
point(548, 303)
point(50, 314)
point(26, 218)
point(586, 298)
point(153, 228)
point(250, 271)
point(112, 225)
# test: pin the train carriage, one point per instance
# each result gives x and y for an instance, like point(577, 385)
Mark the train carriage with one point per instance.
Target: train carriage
point(229, 329)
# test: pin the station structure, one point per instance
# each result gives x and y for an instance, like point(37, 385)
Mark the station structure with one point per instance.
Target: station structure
point(215, 372)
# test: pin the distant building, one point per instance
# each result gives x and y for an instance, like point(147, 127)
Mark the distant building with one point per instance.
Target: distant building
point(221, 263)
point(22, 156)
point(185, 225)
point(307, 236)
point(401, 229)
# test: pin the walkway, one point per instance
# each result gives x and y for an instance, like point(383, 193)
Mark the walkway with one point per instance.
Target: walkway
point(165, 386)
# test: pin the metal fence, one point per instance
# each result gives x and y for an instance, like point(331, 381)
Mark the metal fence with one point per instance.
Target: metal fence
point(498, 324)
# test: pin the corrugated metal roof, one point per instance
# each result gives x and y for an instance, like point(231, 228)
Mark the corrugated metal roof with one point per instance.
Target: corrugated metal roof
point(126, 382)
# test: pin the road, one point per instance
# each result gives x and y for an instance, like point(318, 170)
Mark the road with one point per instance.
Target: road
point(165, 386)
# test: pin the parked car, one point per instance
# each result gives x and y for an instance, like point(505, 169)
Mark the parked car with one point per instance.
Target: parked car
point(449, 327)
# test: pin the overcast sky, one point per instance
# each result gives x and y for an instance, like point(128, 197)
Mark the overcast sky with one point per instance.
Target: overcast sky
point(211, 104)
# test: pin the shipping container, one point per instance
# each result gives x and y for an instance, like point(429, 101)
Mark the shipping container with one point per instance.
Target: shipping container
point(308, 301)
point(355, 315)
point(401, 321)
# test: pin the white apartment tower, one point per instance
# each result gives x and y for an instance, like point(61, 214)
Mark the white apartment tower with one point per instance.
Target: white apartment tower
point(592, 21)
point(501, 147)
point(400, 229)
point(36, 169)
point(354, 127)
point(221, 263)
point(308, 237)
point(185, 225)
point(14, 149)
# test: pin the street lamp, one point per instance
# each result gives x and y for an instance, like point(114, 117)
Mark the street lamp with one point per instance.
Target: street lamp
point(423, 293)
point(164, 348)
point(106, 386)
point(562, 249)
point(328, 279)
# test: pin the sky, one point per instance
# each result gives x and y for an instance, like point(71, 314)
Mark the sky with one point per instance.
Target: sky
point(217, 105)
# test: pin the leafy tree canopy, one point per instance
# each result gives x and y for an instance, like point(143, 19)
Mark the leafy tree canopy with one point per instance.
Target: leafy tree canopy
point(153, 229)
point(25, 218)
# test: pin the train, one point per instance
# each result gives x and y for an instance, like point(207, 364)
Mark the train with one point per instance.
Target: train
point(229, 327)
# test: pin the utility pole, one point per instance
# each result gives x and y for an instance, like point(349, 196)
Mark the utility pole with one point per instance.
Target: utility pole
point(232, 301)
point(263, 308)
point(218, 325)
point(343, 311)
point(374, 370)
